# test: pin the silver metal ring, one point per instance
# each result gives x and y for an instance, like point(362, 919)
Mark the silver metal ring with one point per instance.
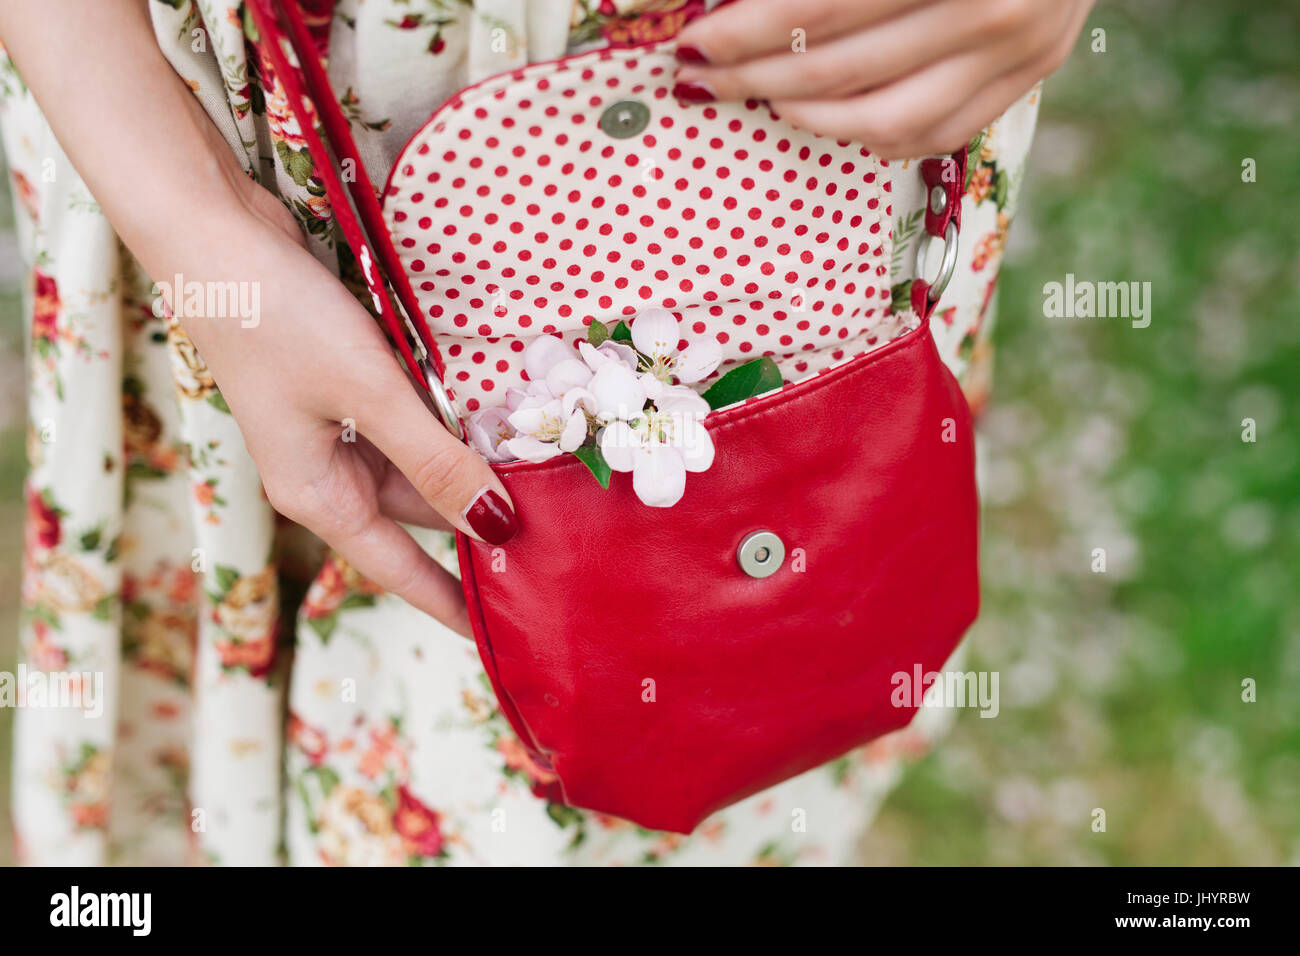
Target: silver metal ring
point(946, 268)
point(441, 401)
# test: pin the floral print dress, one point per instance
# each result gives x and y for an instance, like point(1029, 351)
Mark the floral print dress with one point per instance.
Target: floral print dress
point(264, 703)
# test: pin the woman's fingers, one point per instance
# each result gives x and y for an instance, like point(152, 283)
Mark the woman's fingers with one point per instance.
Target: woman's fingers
point(891, 74)
point(331, 488)
point(918, 116)
point(397, 497)
point(453, 479)
point(843, 64)
point(899, 112)
point(750, 29)
point(386, 554)
point(968, 119)
point(399, 500)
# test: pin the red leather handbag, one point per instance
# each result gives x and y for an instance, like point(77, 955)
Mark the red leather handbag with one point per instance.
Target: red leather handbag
point(665, 663)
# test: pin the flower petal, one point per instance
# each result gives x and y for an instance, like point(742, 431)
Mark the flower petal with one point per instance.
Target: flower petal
point(528, 448)
point(698, 360)
point(487, 429)
point(575, 431)
point(659, 475)
point(531, 419)
point(653, 385)
point(680, 399)
point(608, 351)
point(695, 445)
point(514, 397)
point(593, 356)
point(571, 373)
point(654, 333)
point(618, 392)
point(578, 398)
point(544, 353)
point(619, 444)
point(619, 352)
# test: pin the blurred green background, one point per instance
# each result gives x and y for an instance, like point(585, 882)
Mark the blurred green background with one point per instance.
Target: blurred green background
point(1123, 690)
point(1120, 690)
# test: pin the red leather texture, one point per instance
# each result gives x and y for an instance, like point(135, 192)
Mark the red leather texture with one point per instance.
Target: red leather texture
point(754, 680)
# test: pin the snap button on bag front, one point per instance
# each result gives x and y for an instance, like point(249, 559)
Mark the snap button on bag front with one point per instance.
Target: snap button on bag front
point(761, 554)
point(625, 118)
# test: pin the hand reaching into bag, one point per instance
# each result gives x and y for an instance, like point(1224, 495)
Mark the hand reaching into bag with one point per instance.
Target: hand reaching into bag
point(903, 77)
point(314, 359)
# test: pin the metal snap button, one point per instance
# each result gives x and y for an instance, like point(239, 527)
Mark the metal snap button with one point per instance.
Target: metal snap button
point(625, 118)
point(761, 554)
point(938, 200)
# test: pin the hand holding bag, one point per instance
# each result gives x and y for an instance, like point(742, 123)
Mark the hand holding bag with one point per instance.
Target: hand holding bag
point(662, 663)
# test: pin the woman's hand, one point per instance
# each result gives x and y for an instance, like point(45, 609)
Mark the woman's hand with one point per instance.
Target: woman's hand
point(902, 77)
point(342, 440)
point(314, 359)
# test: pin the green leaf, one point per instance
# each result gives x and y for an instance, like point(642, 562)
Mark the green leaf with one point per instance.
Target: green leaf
point(563, 815)
point(323, 626)
point(357, 600)
point(217, 401)
point(297, 163)
point(327, 777)
point(90, 540)
point(972, 157)
point(597, 332)
point(103, 608)
point(226, 578)
point(901, 296)
point(590, 456)
point(1001, 187)
point(621, 332)
point(744, 381)
point(301, 786)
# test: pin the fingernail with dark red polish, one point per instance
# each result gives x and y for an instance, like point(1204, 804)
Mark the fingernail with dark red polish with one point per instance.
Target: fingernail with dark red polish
point(693, 93)
point(491, 518)
point(691, 54)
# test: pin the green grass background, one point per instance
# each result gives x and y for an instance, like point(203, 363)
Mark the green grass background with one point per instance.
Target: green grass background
point(1120, 691)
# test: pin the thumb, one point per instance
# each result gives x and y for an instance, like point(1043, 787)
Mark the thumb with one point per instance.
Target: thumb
point(450, 476)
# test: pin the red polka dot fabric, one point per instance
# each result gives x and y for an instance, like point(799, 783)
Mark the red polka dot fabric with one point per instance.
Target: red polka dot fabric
point(516, 214)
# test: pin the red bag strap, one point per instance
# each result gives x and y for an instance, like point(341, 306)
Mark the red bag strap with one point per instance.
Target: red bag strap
point(945, 183)
point(283, 34)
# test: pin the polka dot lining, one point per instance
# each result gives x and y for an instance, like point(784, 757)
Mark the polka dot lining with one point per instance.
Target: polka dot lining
point(515, 215)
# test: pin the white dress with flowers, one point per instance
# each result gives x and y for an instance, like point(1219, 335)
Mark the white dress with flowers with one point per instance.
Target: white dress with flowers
point(264, 703)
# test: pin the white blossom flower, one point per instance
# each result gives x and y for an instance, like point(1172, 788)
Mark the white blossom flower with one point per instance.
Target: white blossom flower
point(488, 428)
point(649, 426)
point(544, 430)
point(655, 335)
point(659, 448)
